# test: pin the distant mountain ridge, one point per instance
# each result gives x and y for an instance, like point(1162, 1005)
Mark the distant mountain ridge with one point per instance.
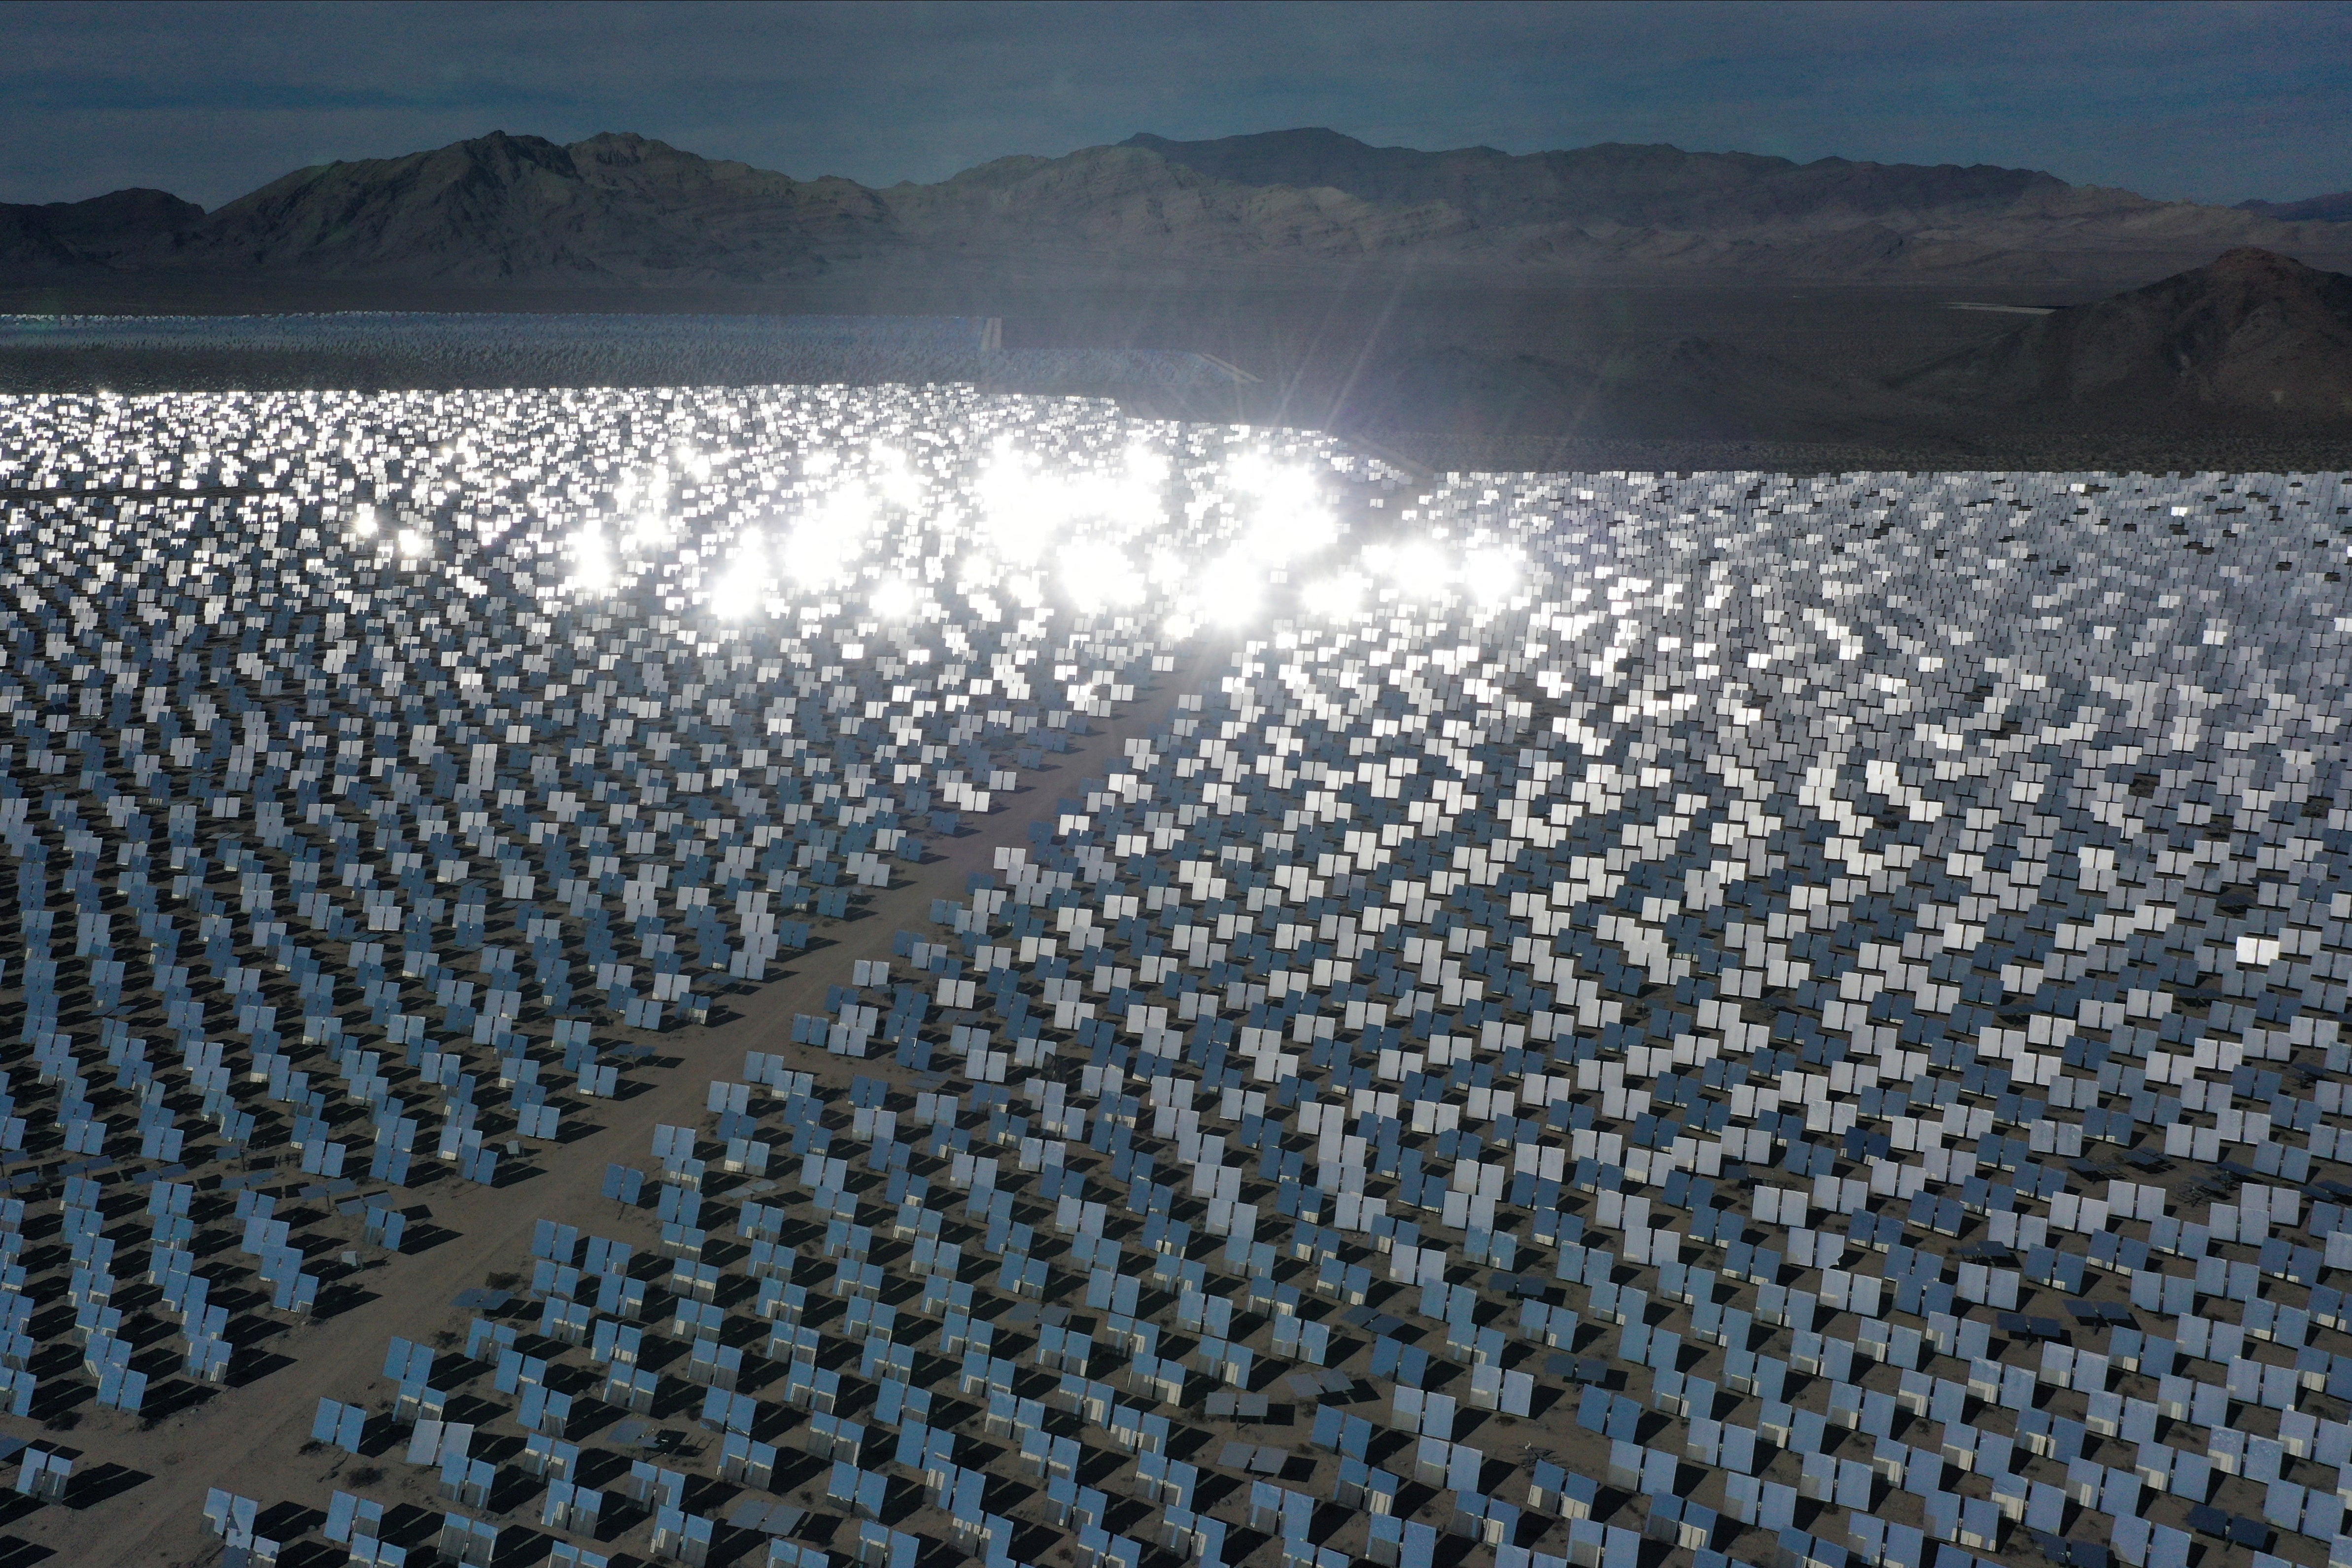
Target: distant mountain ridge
point(612, 208)
point(2254, 341)
point(622, 210)
point(1614, 183)
point(2330, 209)
point(64, 236)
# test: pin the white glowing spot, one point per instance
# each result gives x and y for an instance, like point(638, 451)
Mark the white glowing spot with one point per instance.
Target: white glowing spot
point(1146, 468)
point(826, 550)
point(1247, 475)
point(1287, 514)
point(975, 574)
point(1097, 576)
point(591, 568)
point(898, 483)
point(1278, 536)
point(739, 589)
point(649, 531)
point(1016, 510)
point(851, 509)
point(1337, 598)
point(1022, 512)
point(413, 546)
point(819, 463)
point(895, 599)
point(1230, 590)
point(1491, 575)
point(365, 525)
point(815, 558)
point(1417, 569)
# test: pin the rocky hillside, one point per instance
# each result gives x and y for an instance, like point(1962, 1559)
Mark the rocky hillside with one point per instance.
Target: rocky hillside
point(612, 209)
point(2255, 332)
point(2254, 341)
point(2334, 209)
point(71, 236)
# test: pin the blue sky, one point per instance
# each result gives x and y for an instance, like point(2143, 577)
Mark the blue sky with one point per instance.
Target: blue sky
point(2210, 101)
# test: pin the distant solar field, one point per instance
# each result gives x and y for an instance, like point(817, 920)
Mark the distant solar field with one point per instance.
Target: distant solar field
point(532, 350)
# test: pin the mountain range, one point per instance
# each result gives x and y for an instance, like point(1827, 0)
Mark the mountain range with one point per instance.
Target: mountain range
point(2255, 332)
point(2329, 209)
point(622, 210)
point(1462, 294)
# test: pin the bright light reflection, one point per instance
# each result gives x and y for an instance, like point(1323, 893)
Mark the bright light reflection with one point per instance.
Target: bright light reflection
point(592, 562)
point(1337, 598)
point(1288, 518)
point(1278, 538)
point(738, 591)
point(1231, 591)
point(1147, 469)
point(1491, 575)
point(898, 484)
point(1015, 510)
point(1024, 511)
point(1417, 569)
point(1099, 577)
point(895, 599)
point(824, 550)
point(651, 530)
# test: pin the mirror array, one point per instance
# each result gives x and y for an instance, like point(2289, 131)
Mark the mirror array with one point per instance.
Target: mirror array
point(517, 802)
point(1775, 1020)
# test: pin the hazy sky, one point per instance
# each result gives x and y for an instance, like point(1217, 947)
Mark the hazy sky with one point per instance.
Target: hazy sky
point(2210, 101)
